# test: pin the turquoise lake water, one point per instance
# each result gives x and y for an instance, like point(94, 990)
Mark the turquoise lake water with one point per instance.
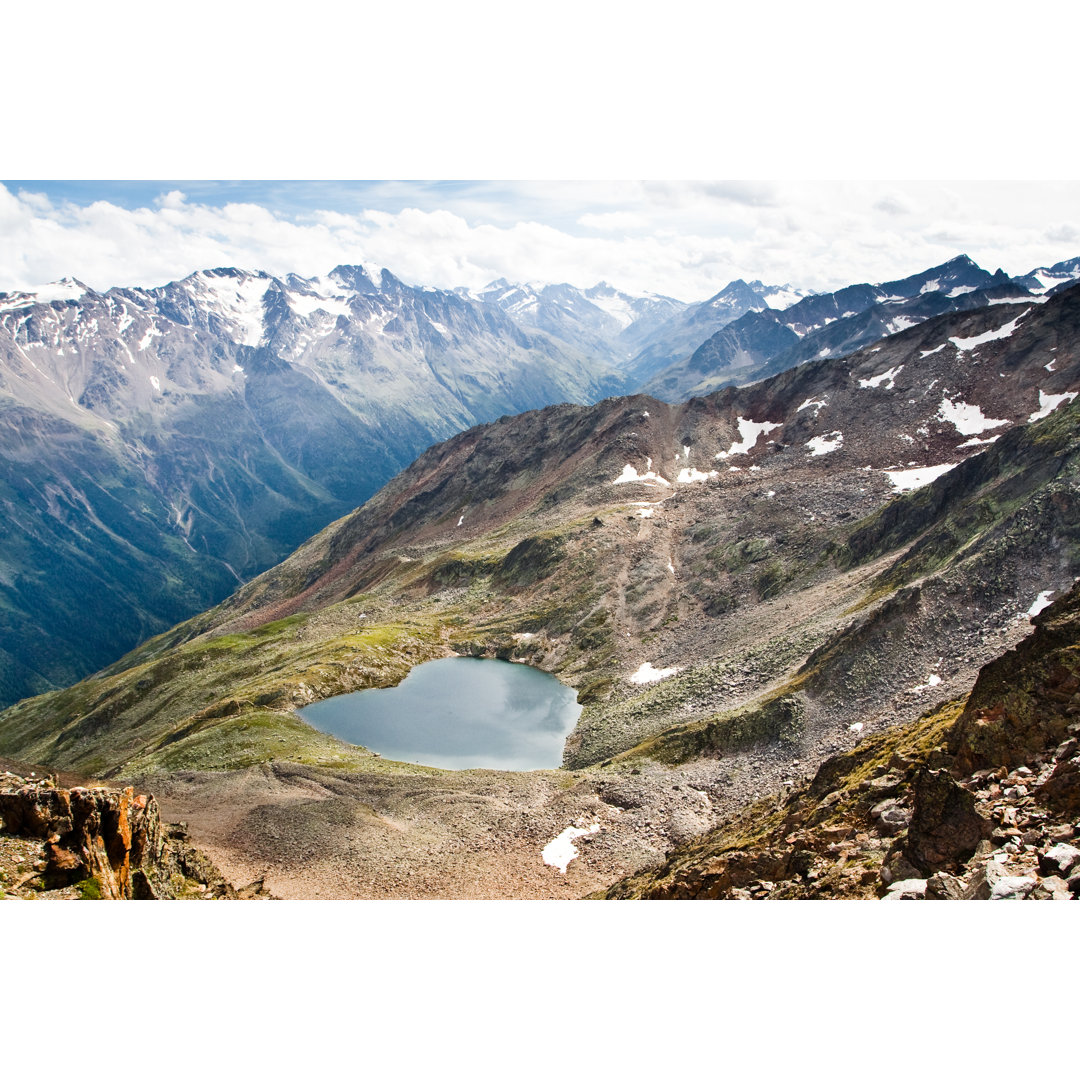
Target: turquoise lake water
point(458, 713)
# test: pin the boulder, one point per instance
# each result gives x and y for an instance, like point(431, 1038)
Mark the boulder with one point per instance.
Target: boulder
point(1051, 888)
point(908, 889)
point(1061, 792)
point(945, 827)
point(1066, 750)
point(890, 816)
point(942, 886)
point(897, 868)
point(35, 810)
point(1059, 860)
point(1013, 888)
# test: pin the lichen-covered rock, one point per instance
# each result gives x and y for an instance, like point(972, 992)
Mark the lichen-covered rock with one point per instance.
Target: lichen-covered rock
point(1051, 888)
point(1023, 703)
point(890, 816)
point(943, 886)
point(945, 827)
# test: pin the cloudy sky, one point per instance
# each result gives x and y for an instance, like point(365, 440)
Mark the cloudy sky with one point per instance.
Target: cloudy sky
point(831, 143)
point(684, 239)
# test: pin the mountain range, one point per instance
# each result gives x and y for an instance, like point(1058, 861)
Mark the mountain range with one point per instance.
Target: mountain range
point(739, 586)
point(161, 446)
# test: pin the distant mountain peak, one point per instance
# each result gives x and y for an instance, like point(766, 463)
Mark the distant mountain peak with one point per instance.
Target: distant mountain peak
point(363, 278)
point(67, 288)
point(734, 292)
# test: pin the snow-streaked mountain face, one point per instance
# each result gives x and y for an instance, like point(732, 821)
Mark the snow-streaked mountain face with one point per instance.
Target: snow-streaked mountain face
point(766, 341)
point(161, 444)
point(1047, 278)
point(681, 334)
point(601, 320)
point(778, 297)
point(97, 356)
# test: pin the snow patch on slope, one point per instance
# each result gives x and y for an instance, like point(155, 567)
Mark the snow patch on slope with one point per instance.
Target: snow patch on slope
point(237, 301)
point(630, 475)
point(1040, 602)
point(749, 430)
point(64, 289)
point(888, 377)
point(966, 344)
point(967, 419)
point(910, 479)
point(693, 476)
point(825, 444)
point(560, 851)
point(1049, 402)
point(648, 674)
point(305, 305)
point(617, 306)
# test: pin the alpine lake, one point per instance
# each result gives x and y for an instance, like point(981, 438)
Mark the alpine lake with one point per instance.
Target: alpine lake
point(458, 713)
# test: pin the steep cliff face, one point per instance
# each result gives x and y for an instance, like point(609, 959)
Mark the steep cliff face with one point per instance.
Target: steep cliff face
point(94, 843)
point(977, 801)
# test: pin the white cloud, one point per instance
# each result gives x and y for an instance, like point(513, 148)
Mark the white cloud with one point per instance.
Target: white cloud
point(683, 239)
point(892, 202)
point(615, 221)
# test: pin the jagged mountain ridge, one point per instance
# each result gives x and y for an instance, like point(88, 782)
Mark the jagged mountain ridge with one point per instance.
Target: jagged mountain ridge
point(684, 331)
point(601, 319)
point(1048, 278)
point(762, 342)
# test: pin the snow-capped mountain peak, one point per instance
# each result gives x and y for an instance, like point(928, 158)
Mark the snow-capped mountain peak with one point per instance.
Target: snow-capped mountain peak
point(67, 288)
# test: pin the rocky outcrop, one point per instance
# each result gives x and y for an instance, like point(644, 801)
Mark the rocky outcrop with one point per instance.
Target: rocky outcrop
point(98, 843)
point(1024, 703)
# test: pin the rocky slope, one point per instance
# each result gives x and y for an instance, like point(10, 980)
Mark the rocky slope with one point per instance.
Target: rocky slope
point(979, 799)
point(730, 584)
